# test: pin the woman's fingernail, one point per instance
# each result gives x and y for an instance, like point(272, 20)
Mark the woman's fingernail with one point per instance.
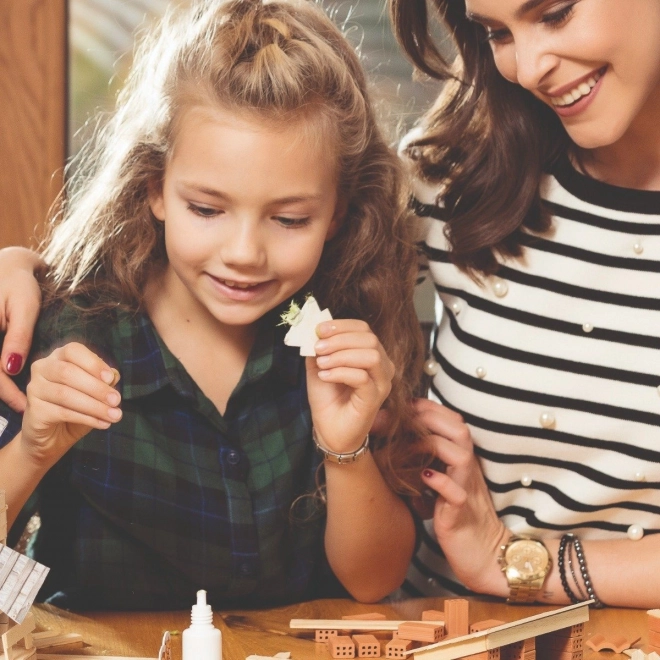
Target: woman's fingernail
point(428, 473)
point(14, 363)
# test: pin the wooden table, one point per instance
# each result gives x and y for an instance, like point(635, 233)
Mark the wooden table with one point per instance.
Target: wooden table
point(265, 632)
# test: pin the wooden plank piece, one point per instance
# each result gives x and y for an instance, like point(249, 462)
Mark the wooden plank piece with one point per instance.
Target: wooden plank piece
point(516, 631)
point(349, 624)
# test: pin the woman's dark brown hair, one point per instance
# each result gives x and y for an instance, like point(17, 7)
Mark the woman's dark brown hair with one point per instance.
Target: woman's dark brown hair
point(487, 141)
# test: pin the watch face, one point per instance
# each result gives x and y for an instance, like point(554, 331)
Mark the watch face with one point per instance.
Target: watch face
point(526, 559)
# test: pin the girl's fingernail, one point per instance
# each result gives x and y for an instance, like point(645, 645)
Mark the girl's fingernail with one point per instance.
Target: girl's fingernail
point(107, 376)
point(320, 346)
point(322, 359)
point(114, 413)
point(113, 398)
point(14, 363)
point(323, 374)
point(428, 473)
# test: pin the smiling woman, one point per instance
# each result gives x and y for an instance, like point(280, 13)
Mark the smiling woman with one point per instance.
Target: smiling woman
point(538, 188)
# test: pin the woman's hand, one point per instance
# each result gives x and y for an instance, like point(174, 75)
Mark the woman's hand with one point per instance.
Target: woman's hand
point(347, 383)
point(465, 521)
point(70, 393)
point(20, 302)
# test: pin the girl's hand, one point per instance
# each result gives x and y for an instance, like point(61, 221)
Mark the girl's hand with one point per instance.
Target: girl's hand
point(69, 394)
point(347, 382)
point(465, 521)
point(20, 302)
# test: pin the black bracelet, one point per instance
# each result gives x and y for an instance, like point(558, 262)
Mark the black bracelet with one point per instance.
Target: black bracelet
point(585, 574)
point(569, 554)
point(562, 568)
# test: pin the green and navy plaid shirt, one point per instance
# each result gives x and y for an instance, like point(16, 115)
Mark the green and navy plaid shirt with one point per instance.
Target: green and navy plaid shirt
point(177, 497)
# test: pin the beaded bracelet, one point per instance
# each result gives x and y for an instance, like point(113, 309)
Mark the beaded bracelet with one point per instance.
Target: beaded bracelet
point(569, 553)
point(562, 568)
point(585, 574)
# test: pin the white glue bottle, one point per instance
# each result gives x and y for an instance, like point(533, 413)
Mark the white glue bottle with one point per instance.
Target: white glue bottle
point(202, 641)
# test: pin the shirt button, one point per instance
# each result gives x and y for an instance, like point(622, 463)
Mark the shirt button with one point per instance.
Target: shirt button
point(547, 420)
point(233, 457)
point(500, 287)
point(635, 532)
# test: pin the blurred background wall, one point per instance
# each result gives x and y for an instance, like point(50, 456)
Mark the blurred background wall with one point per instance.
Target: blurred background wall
point(61, 62)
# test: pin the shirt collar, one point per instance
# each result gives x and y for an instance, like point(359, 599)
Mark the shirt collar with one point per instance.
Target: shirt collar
point(147, 365)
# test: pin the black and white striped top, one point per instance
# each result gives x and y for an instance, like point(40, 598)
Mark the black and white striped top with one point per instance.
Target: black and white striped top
point(555, 365)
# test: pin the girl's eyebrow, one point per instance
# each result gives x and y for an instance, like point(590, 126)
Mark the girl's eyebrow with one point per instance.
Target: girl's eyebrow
point(212, 192)
point(525, 8)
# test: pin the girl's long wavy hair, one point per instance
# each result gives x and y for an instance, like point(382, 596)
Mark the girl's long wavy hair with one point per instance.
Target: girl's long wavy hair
point(279, 60)
point(486, 141)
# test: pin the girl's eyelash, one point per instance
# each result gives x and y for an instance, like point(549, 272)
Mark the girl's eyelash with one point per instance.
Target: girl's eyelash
point(292, 222)
point(203, 211)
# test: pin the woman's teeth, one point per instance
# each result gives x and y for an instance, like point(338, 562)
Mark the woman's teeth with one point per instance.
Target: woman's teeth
point(577, 93)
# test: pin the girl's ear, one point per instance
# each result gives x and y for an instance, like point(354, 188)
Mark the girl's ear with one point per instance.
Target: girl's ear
point(155, 196)
point(337, 219)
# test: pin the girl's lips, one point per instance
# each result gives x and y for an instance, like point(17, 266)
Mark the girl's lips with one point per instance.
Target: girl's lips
point(583, 103)
point(238, 292)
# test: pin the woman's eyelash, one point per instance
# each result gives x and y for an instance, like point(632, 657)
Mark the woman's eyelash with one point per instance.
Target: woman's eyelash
point(556, 18)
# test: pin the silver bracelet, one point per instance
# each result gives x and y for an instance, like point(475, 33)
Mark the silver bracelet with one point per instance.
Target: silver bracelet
point(336, 457)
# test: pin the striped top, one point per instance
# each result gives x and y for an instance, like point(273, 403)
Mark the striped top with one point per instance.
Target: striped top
point(555, 366)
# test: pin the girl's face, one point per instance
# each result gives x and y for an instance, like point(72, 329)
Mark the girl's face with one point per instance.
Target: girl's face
point(595, 62)
point(247, 207)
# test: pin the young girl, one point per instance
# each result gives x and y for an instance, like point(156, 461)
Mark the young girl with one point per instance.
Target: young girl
point(538, 181)
point(243, 167)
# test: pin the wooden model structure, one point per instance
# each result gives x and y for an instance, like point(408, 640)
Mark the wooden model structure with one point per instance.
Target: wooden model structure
point(561, 632)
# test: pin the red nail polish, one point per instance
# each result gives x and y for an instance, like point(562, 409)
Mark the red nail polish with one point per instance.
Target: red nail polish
point(428, 473)
point(14, 363)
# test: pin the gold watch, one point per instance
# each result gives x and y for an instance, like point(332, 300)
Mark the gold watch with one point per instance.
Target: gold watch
point(525, 562)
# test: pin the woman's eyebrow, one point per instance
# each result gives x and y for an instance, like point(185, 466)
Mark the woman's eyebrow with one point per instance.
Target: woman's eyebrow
point(525, 8)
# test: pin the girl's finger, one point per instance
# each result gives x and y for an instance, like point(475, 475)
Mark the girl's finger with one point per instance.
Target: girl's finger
point(50, 412)
point(64, 396)
point(86, 359)
point(347, 341)
point(353, 378)
point(341, 326)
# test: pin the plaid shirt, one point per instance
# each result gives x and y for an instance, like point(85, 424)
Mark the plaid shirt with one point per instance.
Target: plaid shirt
point(176, 497)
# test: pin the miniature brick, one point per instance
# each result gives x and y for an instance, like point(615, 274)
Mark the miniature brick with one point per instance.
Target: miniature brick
point(342, 646)
point(397, 648)
point(561, 644)
point(514, 651)
point(529, 644)
point(530, 655)
point(654, 638)
point(367, 646)
point(551, 654)
point(457, 612)
point(572, 631)
point(324, 635)
point(420, 631)
point(433, 615)
point(616, 643)
point(654, 620)
point(485, 625)
point(491, 654)
point(370, 616)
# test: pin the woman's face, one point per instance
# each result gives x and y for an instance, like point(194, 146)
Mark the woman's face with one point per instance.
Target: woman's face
point(595, 62)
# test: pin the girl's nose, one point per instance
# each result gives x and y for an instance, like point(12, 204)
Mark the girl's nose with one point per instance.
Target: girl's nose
point(242, 244)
